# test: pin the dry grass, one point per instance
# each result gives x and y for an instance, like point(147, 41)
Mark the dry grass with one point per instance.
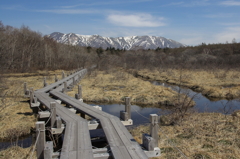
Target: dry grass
point(200, 135)
point(16, 116)
point(114, 86)
point(213, 83)
point(17, 152)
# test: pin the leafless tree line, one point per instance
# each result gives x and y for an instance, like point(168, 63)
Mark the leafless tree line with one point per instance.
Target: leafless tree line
point(24, 50)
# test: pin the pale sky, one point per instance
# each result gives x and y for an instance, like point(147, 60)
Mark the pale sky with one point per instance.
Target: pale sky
point(190, 22)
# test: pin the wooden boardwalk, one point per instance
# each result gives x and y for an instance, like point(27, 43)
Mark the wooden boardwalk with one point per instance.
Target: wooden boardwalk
point(77, 141)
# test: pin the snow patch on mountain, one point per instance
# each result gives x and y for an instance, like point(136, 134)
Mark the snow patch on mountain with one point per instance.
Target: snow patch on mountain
point(128, 43)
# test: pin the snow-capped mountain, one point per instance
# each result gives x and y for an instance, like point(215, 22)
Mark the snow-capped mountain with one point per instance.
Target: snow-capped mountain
point(128, 43)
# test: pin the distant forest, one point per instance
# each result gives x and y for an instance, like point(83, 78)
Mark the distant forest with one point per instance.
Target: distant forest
point(24, 50)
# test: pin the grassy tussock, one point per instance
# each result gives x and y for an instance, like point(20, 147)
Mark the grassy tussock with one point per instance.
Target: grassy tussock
point(16, 116)
point(200, 135)
point(113, 86)
point(17, 152)
point(213, 83)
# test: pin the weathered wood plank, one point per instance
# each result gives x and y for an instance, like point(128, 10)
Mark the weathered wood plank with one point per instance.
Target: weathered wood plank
point(120, 140)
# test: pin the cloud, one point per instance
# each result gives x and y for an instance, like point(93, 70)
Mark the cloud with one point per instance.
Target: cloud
point(228, 34)
point(135, 20)
point(230, 3)
point(69, 11)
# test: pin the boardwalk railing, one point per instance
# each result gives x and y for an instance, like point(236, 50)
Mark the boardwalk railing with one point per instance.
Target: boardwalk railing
point(61, 133)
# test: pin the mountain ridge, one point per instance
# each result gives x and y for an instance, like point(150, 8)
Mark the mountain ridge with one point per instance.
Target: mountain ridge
point(128, 42)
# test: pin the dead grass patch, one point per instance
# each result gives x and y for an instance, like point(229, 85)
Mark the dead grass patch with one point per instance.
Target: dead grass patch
point(211, 83)
point(16, 116)
point(200, 135)
point(17, 152)
point(112, 87)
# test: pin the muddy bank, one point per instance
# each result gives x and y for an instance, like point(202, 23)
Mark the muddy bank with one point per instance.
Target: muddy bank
point(214, 85)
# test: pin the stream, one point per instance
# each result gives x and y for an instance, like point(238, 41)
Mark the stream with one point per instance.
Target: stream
point(203, 104)
point(22, 142)
point(140, 115)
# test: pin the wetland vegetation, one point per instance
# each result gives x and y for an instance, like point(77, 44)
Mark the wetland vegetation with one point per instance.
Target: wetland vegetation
point(210, 69)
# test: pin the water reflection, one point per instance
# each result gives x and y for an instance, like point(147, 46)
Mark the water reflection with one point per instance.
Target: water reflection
point(203, 104)
point(24, 142)
point(139, 115)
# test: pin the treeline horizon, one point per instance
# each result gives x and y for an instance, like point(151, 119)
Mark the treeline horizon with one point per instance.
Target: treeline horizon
point(25, 50)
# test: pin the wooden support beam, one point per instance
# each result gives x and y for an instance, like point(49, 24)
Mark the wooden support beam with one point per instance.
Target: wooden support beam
point(65, 87)
point(31, 95)
point(59, 122)
point(150, 142)
point(25, 87)
point(154, 128)
point(123, 115)
point(56, 79)
point(73, 81)
point(63, 75)
point(40, 133)
point(53, 114)
point(44, 82)
point(48, 150)
point(79, 95)
point(26, 91)
point(128, 107)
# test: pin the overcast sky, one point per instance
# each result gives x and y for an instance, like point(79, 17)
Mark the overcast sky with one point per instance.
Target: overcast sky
point(190, 22)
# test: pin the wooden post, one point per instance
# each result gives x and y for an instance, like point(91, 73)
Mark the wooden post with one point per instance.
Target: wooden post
point(31, 95)
point(128, 107)
point(35, 99)
point(79, 95)
point(80, 91)
point(44, 82)
point(65, 87)
point(40, 133)
point(48, 150)
point(56, 79)
point(154, 128)
point(53, 114)
point(63, 75)
point(59, 122)
point(73, 83)
point(26, 91)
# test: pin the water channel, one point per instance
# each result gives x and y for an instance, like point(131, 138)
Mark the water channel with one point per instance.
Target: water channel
point(140, 115)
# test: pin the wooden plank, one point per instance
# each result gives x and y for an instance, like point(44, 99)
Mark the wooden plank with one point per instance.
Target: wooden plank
point(40, 132)
point(56, 84)
point(76, 142)
point(117, 135)
point(71, 137)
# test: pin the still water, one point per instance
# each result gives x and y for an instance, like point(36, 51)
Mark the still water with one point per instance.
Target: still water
point(23, 142)
point(204, 104)
point(140, 115)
